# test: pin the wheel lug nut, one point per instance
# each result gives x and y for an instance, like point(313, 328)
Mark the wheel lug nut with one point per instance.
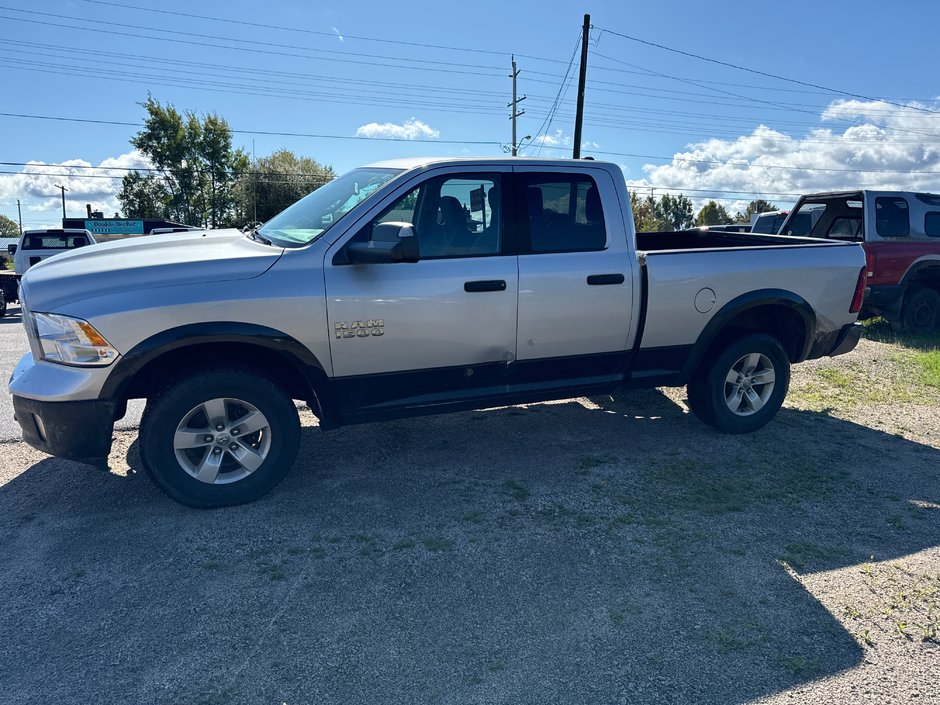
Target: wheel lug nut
point(216, 451)
point(234, 431)
point(208, 439)
point(219, 427)
point(234, 446)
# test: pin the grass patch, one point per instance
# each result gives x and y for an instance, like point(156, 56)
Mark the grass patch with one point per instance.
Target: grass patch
point(435, 544)
point(516, 490)
point(929, 363)
point(589, 462)
point(272, 571)
point(796, 664)
point(799, 554)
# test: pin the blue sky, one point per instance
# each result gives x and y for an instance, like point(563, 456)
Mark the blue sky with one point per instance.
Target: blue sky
point(356, 70)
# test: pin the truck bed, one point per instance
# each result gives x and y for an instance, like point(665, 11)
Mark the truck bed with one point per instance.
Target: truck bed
point(703, 239)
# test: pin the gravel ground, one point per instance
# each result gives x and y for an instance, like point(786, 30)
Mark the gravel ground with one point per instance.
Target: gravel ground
point(603, 550)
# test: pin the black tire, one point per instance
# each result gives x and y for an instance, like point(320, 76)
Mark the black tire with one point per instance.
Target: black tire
point(921, 311)
point(712, 396)
point(3, 304)
point(248, 464)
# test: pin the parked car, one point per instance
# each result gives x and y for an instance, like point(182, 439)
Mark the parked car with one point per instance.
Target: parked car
point(730, 227)
point(900, 232)
point(37, 245)
point(410, 288)
point(768, 222)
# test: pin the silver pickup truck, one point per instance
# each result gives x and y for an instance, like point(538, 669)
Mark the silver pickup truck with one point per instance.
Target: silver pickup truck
point(409, 288)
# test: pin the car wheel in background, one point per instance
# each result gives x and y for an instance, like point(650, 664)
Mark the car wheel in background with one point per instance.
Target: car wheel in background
point(921, 311)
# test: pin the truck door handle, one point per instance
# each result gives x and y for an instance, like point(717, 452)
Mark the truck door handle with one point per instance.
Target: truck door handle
point(604, 279)
point(485, 285)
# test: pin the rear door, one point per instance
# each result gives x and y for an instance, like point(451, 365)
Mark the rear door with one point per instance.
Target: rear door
point(437, 331)
point(575, 279)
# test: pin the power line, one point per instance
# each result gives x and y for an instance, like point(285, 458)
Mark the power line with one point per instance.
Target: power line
point(563, 87)
point(235, 39)
point(245, 48)
point(764, 73)
point(271, 133)
point(332, 35)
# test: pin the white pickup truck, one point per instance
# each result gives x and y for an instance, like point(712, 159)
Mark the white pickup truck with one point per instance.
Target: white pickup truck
point(409, 288)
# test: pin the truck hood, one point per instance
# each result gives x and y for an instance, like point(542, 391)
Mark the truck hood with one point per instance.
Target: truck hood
point(147, 262)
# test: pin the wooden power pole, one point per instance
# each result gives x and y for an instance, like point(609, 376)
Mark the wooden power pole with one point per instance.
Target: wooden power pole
point(515, 101)
point(579, 116)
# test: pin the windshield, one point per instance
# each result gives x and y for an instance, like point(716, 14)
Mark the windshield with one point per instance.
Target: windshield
point(314, 214)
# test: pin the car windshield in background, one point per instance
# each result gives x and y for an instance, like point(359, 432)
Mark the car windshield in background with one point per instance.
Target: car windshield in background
point(306, 220)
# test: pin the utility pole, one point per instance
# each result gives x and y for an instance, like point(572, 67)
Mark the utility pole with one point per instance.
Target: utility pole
point(514, 114)
point(19, 212)
point(579, 117)
point(63, 198)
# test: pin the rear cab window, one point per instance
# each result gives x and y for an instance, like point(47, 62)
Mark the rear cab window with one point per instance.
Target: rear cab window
point(53, 241)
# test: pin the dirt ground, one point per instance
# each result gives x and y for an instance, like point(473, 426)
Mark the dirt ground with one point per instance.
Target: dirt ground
point(603, 550)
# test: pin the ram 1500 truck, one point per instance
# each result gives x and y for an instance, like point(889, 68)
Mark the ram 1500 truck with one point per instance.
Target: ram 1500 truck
point(409, 288)
point(900, 232)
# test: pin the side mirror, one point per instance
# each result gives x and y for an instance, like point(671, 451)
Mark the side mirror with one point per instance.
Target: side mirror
point(391, 242)
point(12, 249)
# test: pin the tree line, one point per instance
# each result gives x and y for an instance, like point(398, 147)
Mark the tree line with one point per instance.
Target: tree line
point(676, 212)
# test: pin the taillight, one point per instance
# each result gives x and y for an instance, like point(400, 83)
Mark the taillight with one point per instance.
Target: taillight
point(870, 263)
point(859, 290)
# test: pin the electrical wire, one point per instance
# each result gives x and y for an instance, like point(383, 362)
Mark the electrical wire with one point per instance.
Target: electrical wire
point(762, 73)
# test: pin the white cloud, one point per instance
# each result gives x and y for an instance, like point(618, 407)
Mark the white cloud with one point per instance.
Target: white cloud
point(411, 129)
point(884, 151)
point(553, 139)
point(35, 185)
point(337, 33)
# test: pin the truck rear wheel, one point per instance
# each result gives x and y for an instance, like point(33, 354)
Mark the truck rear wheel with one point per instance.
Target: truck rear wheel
point(921, 311)
point(743, 387)
point(219, 438)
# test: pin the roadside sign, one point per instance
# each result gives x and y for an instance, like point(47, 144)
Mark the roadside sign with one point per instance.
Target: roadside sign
point(115, 227)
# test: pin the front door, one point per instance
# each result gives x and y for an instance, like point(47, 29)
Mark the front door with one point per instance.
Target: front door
point(434, 332)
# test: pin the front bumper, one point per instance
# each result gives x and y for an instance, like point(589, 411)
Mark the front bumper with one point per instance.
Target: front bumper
point(76, 430)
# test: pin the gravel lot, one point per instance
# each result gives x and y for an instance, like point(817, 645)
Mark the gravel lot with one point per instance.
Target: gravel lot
point(603, 550)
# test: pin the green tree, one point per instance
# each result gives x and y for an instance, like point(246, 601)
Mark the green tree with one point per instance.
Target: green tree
point(198, 169)
point(668, 213)
point(275, 182)
point(645, 214)
point(754, 207)
point(713, 213)
point(676, 211)
point(8, 227)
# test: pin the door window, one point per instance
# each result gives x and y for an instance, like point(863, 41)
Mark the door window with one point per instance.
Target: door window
point(561, 213)
point(453, 216)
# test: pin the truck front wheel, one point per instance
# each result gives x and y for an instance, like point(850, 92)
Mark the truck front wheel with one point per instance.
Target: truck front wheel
point(219, 438)
point(921, 311)
point(743, 387)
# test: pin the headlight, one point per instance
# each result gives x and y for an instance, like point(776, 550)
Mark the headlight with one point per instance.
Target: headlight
point(70, 341)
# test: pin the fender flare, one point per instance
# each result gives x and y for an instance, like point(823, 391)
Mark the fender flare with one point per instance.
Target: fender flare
point(742, 304)
point(166, 341)
point(917, 266)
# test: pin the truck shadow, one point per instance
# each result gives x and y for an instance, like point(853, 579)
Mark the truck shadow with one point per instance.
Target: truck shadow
point(602, 550)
